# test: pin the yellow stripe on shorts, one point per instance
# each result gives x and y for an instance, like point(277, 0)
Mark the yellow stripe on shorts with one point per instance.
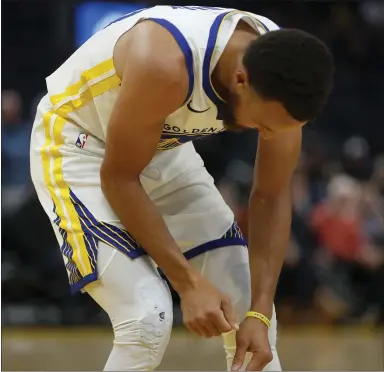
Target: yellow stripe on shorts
point(93, 82)
point(59, 190)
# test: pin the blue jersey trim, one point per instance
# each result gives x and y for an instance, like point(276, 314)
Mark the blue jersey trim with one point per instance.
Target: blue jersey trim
point(105, 232)
point(212, 39)
point(214, 244)
point(95, 231)
point(184, 46)
point(266, 28)
point(233, 236)
point(262, 25)
point(73, 272)
point(78, 286)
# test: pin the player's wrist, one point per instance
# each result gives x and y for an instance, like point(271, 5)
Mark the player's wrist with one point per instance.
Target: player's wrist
point(260, 317)
point(263, 305)
point(187, 280)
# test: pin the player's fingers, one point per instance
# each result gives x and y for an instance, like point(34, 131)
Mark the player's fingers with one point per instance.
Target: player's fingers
point(254, 364)
point(191, 328)
point(195, 327)
point(207, 321)
point(217, 322)
point(209, 330)
point(229, 313)
point(238, 359)
point(203, 326)
point(259, 360)
point(221, 323)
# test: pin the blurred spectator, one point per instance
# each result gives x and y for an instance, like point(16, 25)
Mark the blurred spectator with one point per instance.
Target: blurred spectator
point(371, 210)
point(350, 262)
point(355, 160)
point(15, 135)
point(336, 222)
point(378, 175)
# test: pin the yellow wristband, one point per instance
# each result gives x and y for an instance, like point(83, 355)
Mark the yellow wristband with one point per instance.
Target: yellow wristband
point(263, 318)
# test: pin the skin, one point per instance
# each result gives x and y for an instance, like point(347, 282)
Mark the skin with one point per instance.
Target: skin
point(270, 201)
point(153, 74)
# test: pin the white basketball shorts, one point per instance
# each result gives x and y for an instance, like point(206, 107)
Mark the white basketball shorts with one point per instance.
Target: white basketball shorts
point(65, 168)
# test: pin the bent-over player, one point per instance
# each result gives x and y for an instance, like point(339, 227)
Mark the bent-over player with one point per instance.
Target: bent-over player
point(116, 172)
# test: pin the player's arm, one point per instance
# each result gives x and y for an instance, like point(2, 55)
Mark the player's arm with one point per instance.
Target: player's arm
point(269, 228)
point(154, 85)
point(270, 214)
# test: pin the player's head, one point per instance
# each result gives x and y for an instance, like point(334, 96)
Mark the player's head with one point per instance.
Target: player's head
point(284, 81)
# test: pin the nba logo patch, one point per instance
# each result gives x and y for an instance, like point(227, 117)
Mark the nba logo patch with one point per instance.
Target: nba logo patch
point(81, 140)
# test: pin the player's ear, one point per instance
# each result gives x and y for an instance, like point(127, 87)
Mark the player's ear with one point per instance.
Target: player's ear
point(241, 76)
point(241, 81)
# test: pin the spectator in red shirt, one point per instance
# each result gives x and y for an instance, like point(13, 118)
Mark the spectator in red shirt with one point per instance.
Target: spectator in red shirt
point(336, 222)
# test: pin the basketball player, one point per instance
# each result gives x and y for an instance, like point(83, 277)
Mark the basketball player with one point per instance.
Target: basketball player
point(126, 193)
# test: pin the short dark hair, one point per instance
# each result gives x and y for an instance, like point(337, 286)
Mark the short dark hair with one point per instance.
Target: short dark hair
point(292, 67)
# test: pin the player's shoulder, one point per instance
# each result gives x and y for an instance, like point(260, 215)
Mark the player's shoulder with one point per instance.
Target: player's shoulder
point(151, 44)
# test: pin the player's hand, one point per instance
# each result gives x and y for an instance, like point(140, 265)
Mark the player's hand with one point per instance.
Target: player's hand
point(207, 311)
point(252, 337)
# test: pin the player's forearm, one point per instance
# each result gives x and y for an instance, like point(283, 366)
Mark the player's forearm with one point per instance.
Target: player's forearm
point(138, 214)
point(270, 222)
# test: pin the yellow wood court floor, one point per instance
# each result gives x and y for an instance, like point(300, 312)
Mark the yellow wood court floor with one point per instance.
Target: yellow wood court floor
point(80, 349)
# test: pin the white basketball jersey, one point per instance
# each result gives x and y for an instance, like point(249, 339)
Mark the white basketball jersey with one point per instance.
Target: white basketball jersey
point(84, 89)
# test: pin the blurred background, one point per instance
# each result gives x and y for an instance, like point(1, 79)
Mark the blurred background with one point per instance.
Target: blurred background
point(330, 298)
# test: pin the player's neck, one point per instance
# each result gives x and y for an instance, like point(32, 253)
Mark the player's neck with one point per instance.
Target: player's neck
point(231, 58)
